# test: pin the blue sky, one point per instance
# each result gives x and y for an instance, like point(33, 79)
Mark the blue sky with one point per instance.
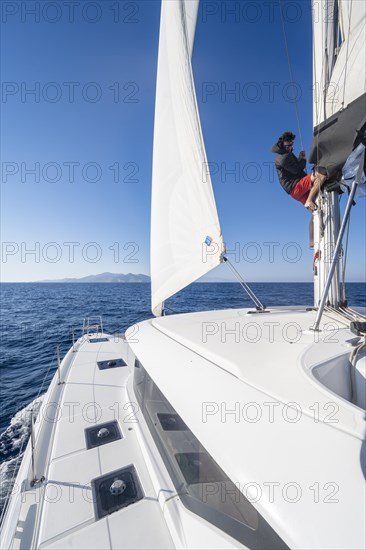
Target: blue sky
point(77, 151)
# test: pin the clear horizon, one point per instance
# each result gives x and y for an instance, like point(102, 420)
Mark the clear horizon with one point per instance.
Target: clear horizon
point(205, 279)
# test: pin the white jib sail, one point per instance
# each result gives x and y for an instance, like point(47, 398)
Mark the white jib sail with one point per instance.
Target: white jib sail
point(183, 209)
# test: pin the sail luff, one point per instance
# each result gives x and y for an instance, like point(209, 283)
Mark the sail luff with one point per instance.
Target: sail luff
point(183, 214)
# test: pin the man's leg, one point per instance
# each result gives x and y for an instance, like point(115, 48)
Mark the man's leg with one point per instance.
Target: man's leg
point(318, 181)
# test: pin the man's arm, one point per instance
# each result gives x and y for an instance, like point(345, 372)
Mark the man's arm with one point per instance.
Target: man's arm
point(302, 159)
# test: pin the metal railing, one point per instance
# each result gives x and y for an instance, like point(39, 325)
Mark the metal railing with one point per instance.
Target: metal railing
point(93, 325)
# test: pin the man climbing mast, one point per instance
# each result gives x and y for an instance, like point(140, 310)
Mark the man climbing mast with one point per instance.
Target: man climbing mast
point(291, 172)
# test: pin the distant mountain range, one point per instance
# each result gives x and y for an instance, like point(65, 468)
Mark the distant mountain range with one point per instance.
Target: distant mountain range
point(123, 278)
point(105, 278)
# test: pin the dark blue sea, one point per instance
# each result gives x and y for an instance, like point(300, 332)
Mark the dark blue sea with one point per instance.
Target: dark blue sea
point(37, 317)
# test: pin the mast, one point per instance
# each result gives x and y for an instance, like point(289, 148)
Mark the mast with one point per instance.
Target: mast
point(339, 118)
point(326, 230)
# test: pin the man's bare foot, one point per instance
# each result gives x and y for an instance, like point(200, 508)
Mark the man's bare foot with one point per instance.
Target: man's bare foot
point(310, 205)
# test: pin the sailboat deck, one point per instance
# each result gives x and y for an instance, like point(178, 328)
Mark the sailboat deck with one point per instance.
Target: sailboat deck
point(65, 504)
point(252, 348)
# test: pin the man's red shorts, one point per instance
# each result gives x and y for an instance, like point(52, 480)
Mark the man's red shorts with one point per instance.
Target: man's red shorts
point(301, 190)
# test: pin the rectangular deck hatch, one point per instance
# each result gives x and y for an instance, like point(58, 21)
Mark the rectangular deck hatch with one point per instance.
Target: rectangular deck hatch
point(97, 340)
point(111, 364)
point(171, 422)
point(101, 434)
point(199, 468)
point(116, 490)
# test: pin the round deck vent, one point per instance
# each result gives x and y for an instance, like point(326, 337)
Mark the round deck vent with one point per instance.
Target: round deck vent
point(116, 490)
point(118, 487)
point(103, 432)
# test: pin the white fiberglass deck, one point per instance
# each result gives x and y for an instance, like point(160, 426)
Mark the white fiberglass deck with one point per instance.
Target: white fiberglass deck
point(244, 385)
point(61, 513)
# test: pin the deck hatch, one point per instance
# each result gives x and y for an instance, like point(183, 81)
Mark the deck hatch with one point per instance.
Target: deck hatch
point(101, 434)
point(111, 364)
point(97, 340)
point(171, 422)
point(116, 490)
point(199, 468)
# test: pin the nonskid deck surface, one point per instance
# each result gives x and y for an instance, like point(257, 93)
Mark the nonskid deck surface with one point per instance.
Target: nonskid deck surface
point(63, 509)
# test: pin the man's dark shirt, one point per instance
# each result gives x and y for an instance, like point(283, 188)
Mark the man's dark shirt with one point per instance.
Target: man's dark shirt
point(290, 169)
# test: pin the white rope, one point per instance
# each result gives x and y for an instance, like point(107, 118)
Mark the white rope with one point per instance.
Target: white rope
point(344, 314)
point(336, 315)
point(359, 316)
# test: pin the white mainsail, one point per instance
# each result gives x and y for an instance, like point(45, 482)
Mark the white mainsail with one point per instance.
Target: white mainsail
point(183, 210)
point(339, 54)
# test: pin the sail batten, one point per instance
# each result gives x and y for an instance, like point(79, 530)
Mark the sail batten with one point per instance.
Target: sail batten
point(183, 214)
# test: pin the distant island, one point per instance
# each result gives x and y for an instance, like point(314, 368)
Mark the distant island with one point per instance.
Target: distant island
point(105, 278)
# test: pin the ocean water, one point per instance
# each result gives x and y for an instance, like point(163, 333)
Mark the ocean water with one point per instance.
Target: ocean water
point(36, 318)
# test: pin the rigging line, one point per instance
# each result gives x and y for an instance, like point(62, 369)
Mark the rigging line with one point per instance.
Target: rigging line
point(345, 66)
point(344, 312)
point(318, 86)
point(344, 262)
point(351, 314)
point(360, 316)
point(316, 89)
point(290, 71)
point(244, 285)
point(337, 315)
point(166, 308)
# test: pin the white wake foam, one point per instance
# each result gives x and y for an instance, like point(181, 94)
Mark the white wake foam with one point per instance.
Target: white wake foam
point(13, 442)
